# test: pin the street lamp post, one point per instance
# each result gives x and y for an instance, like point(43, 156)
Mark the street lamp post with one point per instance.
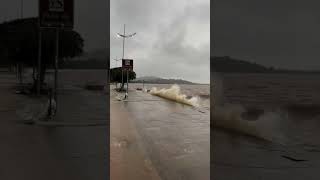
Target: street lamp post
point(124, 36)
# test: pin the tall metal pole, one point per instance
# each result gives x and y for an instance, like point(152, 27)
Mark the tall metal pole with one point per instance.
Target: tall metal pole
point(124, 37)
point(56, 68)
point(39, 61)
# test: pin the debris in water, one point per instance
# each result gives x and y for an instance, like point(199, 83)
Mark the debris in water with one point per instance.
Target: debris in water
point(293, 159)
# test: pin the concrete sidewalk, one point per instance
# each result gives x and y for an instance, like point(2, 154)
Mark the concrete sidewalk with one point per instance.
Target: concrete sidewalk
point(32, 152)
point(128, 159)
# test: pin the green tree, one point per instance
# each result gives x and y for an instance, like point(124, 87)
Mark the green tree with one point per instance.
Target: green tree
point(19, 38)
point(116, 76)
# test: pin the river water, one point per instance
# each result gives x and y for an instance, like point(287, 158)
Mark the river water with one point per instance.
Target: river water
point(270, 121)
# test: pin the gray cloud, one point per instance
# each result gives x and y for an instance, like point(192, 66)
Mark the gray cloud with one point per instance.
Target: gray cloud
point(279, 33)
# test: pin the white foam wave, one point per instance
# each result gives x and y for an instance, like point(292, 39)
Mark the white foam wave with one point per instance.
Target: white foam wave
point(174, 94)
point(267, 126)
point(230, 117)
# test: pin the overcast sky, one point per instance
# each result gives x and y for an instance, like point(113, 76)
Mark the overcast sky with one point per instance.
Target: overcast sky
point(172, 41)
point(280, 33)
point(173, 35)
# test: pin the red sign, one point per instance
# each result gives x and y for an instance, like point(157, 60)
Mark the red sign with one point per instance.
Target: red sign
point(56, 13)
point(127, 64)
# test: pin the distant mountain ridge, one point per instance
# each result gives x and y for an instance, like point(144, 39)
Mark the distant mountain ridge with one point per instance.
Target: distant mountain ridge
point(96, 59)
point(97, 54)
point(158, 80)
point(227, 64)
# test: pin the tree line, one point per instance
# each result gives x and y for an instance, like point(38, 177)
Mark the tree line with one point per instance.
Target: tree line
point(19, 43)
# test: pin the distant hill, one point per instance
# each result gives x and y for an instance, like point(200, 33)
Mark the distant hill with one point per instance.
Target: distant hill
point(96, 59)
point(157, 80)
point(227, 64)
point(84, 64)
point(97, 54)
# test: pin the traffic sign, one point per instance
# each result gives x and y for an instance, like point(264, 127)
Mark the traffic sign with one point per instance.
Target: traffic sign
point(56, 13)
point(127, 64)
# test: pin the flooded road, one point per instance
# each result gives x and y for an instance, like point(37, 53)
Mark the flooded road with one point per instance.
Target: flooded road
point(32, 151)
point(159, 138)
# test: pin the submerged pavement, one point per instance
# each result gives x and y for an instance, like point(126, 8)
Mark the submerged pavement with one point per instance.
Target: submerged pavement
point(171, 140)
point(32, 152)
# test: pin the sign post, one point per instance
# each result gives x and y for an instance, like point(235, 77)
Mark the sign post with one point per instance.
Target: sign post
point(57, 14)
point(127, 81)
point(56, 66)
point(39, 61)
point(127, 64)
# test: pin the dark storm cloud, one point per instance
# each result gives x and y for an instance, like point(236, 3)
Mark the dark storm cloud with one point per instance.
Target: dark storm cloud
point(172, 38)
point(171, 43)
point(279, 33)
